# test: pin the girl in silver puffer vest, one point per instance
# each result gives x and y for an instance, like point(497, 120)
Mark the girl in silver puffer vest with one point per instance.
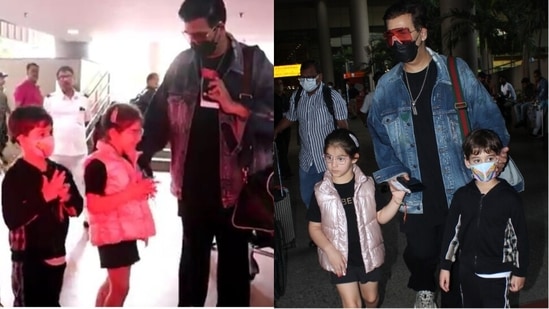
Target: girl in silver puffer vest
point(344, 222)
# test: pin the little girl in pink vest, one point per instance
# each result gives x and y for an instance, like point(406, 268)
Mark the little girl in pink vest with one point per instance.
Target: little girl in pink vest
point(117, 200)
point(344, 222)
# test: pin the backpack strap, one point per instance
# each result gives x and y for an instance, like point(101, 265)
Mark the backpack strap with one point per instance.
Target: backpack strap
point(297, 96)
point(247, 153)
point(460, 105)
point(329, 101)
point(247, 58)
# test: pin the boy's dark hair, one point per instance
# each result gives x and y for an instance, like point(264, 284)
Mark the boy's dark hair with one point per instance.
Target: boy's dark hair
point(24, 119)
point(64, 68)
point(119, 116)
point(479, 140)
point(151, 76)
point(310, 63)
point(416, 9)
point(213, 11)
point(343, 138)
point(32, 64)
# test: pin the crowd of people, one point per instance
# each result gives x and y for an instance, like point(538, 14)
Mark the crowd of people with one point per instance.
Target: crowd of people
point(444, 204)
point(204, 114)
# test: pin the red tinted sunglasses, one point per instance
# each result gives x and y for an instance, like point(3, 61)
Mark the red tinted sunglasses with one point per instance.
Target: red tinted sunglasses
point(400, 35)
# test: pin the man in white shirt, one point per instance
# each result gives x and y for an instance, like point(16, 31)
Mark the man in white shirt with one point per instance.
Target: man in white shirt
point(506, 98)
point(70, 111)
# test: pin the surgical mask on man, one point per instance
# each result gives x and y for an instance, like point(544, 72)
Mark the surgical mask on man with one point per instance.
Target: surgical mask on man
point(308, 84)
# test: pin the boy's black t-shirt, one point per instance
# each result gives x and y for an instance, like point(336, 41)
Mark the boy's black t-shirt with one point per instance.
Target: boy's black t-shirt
point(201, 180)
point(38, 228)
point(346, 193)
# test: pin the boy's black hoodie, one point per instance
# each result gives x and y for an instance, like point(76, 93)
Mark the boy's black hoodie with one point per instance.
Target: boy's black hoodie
point(485, 228)
point(37, 231)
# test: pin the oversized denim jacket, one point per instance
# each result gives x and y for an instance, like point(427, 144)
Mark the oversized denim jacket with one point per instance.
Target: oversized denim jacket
point(169, 117)
point(391, 127)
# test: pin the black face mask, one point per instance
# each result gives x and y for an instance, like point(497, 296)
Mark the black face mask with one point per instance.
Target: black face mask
point(404, 52)
point(204, 48)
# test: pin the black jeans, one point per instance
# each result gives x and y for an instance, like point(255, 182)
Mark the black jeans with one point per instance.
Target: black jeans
point(422, 257)
point(37, 284)
point(200, 224)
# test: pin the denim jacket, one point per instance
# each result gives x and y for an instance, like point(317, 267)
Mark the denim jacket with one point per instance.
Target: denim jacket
point(169, 117)
point(391, 126)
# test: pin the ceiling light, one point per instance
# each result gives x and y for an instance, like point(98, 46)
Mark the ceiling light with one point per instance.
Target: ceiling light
point(72, 31)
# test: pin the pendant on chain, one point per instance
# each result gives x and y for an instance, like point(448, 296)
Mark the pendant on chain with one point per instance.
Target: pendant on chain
point(414, 110)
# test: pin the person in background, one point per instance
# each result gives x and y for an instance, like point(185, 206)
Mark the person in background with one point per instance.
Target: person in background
point(4, 113)
point(38, 197)
point(486, 226)
point(144, 98)
point(414, 136)
point(330, 85)
point(281, 106)
point(540, 102)
point(506, 98)
point(28, 92)
point(524, 101)
point(71, 112)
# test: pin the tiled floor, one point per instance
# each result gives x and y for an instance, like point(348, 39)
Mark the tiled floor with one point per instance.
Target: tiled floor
point(154, 278)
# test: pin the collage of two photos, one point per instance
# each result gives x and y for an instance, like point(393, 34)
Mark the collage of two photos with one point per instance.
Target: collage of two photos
point(277, 153)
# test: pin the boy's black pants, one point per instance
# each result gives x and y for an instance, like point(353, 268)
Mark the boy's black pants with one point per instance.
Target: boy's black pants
point(36, 283)
point(482, 292)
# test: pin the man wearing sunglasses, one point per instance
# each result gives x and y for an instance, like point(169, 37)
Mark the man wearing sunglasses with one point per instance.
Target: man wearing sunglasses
point(416, 133)
point(202, 108)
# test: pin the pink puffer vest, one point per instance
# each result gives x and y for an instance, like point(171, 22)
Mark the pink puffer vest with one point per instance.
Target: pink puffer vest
point(334, 221)
point(130, 221)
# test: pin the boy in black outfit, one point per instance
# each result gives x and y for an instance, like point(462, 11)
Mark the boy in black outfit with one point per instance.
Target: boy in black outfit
point(486, 224)
point(38, 196)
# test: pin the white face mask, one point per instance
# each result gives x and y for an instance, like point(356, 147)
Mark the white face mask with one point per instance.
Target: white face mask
point(308, 84)
point(44, 146)
point(484, 172)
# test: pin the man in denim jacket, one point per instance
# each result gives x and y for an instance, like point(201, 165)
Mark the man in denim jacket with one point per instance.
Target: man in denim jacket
point(416, 133)
point(201, 109)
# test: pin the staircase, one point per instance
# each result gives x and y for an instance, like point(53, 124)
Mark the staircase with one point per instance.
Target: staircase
point(161, 161)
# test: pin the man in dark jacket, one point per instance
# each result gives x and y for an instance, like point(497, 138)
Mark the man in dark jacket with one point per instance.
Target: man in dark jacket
point(144, 98)
point(204, 109)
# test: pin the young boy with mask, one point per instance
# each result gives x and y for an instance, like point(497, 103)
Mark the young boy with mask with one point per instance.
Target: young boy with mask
point(38, 196)
point(486, 223)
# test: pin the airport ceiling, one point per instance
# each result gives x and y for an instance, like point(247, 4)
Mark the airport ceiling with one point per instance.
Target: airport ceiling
point(251, 20)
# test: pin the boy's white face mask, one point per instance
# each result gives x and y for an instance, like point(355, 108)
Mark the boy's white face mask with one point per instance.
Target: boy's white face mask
point(484, 172)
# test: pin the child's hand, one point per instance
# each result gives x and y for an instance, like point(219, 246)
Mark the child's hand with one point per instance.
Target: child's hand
point(444, 280)
point(516, 284)
point(338, 261)
point(144, 188)
point(51, 188)
point(64, 194)
point(396, 192)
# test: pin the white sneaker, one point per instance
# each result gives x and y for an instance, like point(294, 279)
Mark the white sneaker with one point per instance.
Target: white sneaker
point(425, 299)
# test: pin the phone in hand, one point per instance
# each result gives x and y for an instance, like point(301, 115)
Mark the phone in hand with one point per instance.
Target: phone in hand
point(414, 185)
point(207, 76)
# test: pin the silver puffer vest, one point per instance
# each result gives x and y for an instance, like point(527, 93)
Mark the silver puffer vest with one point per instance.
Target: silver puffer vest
point(334, 221)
